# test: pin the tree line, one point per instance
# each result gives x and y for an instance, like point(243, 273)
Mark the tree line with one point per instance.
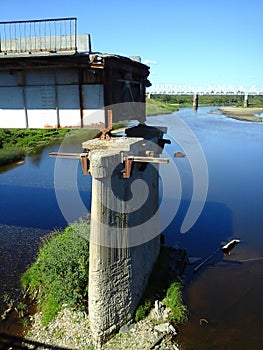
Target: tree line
point(211, 100)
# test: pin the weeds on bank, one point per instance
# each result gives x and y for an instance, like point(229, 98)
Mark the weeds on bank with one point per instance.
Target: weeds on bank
point(11, 155)
point(155, 107)
point(30, 140)
point(174, 300)
point(59, 275)
point(165, 286)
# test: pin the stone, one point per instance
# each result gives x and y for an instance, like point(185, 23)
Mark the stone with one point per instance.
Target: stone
point(162, 327)
point(158, 308)
point(172, 329)
point(126, 328)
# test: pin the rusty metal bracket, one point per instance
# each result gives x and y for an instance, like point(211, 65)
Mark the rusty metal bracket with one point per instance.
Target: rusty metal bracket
point(83, 157)
point(128, 162)
point(106, 133)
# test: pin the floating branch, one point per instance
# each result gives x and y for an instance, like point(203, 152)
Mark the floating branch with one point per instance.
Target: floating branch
point(226, 249)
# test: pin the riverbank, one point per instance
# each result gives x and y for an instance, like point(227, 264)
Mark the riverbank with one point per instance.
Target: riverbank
point(243, 114)
point(71, 330)
point(157, 330)
point(157, 107)
point(15, 144)
point(11, 155)
point(70, 326)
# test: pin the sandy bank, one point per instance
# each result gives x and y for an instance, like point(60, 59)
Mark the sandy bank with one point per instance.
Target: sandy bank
point(244, 114)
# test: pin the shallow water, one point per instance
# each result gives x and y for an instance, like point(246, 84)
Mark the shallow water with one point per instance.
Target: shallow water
point(228, 290)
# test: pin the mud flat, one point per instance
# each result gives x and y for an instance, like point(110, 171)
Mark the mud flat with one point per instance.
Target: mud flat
point(244, 114)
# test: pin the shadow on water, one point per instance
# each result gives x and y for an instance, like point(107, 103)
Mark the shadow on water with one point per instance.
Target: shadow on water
point(5, 168)
point(213, 227)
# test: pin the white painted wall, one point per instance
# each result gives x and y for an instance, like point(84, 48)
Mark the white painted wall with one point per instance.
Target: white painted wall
point(48, 98)
point(12, 113)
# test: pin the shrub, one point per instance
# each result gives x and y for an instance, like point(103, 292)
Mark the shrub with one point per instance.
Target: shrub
point(143, 310)
point(60, 273)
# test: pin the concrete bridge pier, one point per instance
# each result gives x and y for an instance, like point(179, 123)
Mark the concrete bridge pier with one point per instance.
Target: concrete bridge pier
point(195, 102)
point(124, 239)
point(246, 101)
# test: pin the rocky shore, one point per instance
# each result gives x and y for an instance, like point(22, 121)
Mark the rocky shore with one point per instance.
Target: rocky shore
point(71, 330)
point(243, 114)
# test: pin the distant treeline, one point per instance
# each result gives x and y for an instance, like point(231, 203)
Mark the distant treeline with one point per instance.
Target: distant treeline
point(211, 100)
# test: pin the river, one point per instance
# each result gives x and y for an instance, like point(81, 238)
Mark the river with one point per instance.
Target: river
point(227, 291)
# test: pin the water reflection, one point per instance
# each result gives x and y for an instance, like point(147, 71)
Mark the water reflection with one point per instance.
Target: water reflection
point(4, 168)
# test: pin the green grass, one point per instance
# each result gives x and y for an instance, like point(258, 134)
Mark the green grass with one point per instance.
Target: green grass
point(155, 107)
point(16, 143)
point(143, 310)
point(30, 140)
point(11, 155)
point(59, 275)
point(174, 301)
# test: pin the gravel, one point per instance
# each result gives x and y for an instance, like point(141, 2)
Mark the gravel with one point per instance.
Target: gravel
point(71, 330)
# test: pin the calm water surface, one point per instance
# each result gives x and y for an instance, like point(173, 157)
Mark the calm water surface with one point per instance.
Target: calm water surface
point(227, 291)
point(28, 211)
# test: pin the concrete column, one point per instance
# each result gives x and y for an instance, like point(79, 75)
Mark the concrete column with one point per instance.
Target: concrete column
point(124, 238)
point(195, 101)
point(246, 101)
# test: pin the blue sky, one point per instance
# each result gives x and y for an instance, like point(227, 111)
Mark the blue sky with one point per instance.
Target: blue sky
point(184, 42)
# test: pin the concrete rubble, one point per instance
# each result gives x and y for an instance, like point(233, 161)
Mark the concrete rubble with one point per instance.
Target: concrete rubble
point(71, 329)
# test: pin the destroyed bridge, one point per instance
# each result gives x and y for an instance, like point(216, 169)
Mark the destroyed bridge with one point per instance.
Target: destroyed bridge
point(50, 78)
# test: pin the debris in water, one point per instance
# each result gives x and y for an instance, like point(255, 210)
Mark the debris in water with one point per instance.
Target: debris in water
point(179, 155)
point(203, 262)
point(226, 249)
point(203, 321)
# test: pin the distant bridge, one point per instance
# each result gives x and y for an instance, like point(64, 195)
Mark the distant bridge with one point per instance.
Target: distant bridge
point(183, 89)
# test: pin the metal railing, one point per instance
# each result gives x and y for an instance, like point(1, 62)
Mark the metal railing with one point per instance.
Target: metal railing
point(180, 89)
point(46, 35)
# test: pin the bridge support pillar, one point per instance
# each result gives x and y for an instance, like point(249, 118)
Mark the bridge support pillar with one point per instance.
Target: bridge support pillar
point(124, 237)
point(195, 101)
point(246, 101)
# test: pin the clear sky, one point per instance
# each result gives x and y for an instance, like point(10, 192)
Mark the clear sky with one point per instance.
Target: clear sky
point(196, 42)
